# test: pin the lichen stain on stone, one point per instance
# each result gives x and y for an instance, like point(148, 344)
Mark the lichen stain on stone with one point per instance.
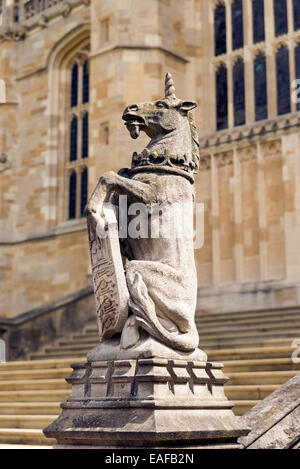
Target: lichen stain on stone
point(269, 414)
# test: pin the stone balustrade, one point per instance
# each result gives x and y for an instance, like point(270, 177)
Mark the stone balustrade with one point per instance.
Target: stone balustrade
point(18, 11)
point(34, 7)
point(21, 15)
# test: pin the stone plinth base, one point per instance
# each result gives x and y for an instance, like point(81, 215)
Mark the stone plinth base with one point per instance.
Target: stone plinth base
point(153, 403)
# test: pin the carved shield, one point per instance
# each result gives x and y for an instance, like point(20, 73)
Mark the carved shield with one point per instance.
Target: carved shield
point(111, 293)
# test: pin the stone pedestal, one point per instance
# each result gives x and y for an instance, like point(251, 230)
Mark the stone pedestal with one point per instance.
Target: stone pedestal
point(155, 403)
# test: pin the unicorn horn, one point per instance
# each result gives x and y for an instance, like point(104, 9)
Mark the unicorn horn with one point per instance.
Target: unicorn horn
point(169, 86)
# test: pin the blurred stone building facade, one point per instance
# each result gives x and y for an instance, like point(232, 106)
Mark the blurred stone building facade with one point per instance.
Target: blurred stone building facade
point(67, 71)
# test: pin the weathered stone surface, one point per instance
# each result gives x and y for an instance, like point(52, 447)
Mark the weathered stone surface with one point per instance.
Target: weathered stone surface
point(259, 230)
point(275, 422)
point(29, 332)
point(111, 293)
point(147, 347)
point(147, 402)
point(145, 387)
point(160, 272)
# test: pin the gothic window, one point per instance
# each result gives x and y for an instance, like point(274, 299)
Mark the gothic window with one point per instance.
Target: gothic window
point(260, 80)
point(296, 10)
point(221, 98)
point(84, 190)
point(237, 24)
point(283, 81)
point(78, 112)
point(220, 29)
point(239, 92)
point(281, 17)
point(258, 19)
point(297, 66)
point(231, 94)
point(72, 194)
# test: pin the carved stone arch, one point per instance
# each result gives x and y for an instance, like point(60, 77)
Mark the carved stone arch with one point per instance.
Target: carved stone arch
point(258, 51)
point(80, 57)
point(60, 58)
point(236, 58)
point(82, 168)
point(216, 3)
point(278, 45)
point(219, 64)
point(75, 39)
point(83, 113)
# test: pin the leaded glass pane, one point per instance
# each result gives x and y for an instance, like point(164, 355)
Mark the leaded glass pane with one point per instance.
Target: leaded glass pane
point(296, 7)
point(73, 139)
point(72, 195)
point(260, 80)
point(221, 98)
point(258, 17)
point(220, 29)
point(283, 81)
point(84, 190)
point(85, 136)
point(281, 18)
point(239, 93)
point(237, 24)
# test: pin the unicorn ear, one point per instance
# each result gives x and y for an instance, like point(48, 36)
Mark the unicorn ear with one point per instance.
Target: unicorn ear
point(187, 106)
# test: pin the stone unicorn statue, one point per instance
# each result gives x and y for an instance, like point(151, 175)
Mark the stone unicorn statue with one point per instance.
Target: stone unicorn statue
point(160, 271)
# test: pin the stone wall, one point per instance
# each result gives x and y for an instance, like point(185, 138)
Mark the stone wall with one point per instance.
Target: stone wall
point(248, 181)
point(254, 224)
point(32, 331)
point(35, 272)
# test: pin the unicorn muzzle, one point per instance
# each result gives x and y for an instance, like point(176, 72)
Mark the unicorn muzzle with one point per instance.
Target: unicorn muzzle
point(133, 120)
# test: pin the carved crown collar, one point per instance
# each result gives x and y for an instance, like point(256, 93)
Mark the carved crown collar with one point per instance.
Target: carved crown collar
point(177, 164)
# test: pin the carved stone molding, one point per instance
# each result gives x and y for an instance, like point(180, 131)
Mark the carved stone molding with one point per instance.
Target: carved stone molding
point(273, 148)
point(147, 402)
point(205, 163)
point(225, 159)
point(31, 16)
point(66, 10)
point(252, 132)
point(248, 153)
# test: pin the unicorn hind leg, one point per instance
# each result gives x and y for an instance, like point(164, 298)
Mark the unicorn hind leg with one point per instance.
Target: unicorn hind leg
point(144, 310)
